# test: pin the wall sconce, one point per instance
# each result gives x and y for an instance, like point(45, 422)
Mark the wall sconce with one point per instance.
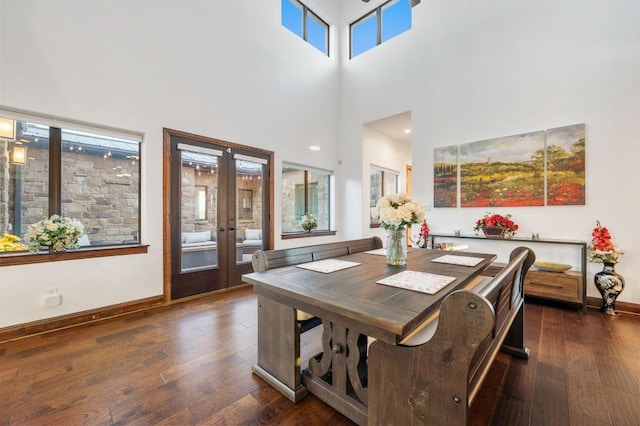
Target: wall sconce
point(19, 155)
point(7, 129)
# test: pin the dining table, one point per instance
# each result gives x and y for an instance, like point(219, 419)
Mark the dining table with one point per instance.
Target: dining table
point(358, 297)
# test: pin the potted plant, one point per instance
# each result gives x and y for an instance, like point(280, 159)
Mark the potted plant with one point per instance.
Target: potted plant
point(308, 222)
point(496, 226)
point(609, 283)
point(57, 233)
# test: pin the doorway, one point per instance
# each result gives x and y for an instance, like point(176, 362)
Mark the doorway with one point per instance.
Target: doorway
point(217, 209)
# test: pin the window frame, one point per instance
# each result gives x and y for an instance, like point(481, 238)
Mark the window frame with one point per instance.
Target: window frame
point(378, 12)
point(330, 197)
point(310, 14)
point(383, 190)
point(56, 128)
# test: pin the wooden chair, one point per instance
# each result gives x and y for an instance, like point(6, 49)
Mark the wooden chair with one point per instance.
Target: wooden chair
point(433, 377)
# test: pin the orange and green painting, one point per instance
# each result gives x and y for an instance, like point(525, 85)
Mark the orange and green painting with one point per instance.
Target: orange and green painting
point(565, 166)
point(507, 171)
point(445, 176)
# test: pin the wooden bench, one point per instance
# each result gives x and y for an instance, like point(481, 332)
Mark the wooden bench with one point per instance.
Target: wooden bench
point(265, 260)
point(435, 374)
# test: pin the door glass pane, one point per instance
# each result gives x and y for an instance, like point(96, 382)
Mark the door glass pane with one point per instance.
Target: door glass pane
point(24, 176)
point(101, 187)
point(199, 218)
point(249, 226)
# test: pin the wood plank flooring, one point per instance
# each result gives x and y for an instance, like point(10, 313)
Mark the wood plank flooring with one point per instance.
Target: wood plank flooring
point(190, 364)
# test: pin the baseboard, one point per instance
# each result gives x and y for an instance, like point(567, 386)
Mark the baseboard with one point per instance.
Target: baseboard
point(65, 321)
point(626, 307)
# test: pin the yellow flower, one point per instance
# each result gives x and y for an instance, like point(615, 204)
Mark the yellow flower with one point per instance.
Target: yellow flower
point(10, 242)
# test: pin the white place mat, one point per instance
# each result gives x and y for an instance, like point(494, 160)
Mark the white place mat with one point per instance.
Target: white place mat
point(380, 251)
point(328, 265)
point(458, 260)
point(423, 282)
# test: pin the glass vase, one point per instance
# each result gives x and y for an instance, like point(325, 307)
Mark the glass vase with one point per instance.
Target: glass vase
point(397, 246)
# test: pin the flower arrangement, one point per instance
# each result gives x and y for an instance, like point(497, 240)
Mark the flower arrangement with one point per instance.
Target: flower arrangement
point(396, 211)
point(504, 223)
point(423, 236)
point(58, 233)
point(601, 249)
point(10, 242)
point(308, 222)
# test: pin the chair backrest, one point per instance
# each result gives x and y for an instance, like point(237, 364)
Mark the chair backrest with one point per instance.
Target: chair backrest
point(506, 289)
point(270, 259)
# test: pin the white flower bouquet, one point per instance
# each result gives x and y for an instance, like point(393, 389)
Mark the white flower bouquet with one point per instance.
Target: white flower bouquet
point(396, 211)
point(58, 233)
point(308, 222)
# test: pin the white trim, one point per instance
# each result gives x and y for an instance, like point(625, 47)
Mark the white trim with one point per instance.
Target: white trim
point(295, 166)
point(384, 169)
point(200, 149)
point(250, 158)
point(52, 121)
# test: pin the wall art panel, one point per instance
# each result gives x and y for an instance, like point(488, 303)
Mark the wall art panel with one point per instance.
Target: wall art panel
point(565, 165)
point(503, 172)
point(445, 176)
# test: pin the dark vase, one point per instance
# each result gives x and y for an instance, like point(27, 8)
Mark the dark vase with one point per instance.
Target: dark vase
point(610, 284)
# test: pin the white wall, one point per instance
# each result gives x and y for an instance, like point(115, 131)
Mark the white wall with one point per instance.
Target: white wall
point(381, 151)
point(471, 71)
point(226, 69)
point(222, 69)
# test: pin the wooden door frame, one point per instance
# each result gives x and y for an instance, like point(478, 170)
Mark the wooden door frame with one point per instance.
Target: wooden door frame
point(167, 134)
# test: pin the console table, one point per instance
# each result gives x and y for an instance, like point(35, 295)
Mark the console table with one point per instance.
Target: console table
point(566, 287)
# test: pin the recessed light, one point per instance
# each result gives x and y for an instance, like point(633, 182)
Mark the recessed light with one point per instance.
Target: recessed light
point(314, 148)
point(407, 131)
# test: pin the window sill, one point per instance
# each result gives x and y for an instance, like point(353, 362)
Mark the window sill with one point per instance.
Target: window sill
point(26, 258)
point(292, 235)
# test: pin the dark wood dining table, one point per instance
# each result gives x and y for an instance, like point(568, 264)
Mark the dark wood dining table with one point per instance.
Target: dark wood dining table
point(354, 308)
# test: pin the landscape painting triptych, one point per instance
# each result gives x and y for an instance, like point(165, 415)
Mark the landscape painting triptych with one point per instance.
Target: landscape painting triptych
point(531, 169)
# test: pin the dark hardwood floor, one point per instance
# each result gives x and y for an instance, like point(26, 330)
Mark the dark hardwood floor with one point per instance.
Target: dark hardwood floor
point(190, 364)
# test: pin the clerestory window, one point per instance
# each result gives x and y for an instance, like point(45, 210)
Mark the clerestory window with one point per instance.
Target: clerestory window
point(303, 22)
point(381, 24)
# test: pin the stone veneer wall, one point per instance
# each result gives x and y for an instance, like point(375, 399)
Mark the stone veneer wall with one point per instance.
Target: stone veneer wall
point(95, 190)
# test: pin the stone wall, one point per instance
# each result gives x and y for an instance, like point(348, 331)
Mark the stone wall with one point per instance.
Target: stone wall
point(102, 193)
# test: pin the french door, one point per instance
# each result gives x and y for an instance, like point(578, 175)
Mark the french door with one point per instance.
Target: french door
point(218, 212)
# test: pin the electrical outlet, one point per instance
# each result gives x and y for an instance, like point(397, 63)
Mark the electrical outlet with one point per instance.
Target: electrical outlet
point(51, 300)
point(52, 291)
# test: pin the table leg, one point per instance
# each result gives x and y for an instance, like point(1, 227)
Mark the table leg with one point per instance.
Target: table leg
point(339, 375)
point(279, 348)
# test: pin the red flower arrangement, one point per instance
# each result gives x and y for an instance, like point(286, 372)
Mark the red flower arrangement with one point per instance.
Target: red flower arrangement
point(602, 249)
point(423, 236)
point(504, 223)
